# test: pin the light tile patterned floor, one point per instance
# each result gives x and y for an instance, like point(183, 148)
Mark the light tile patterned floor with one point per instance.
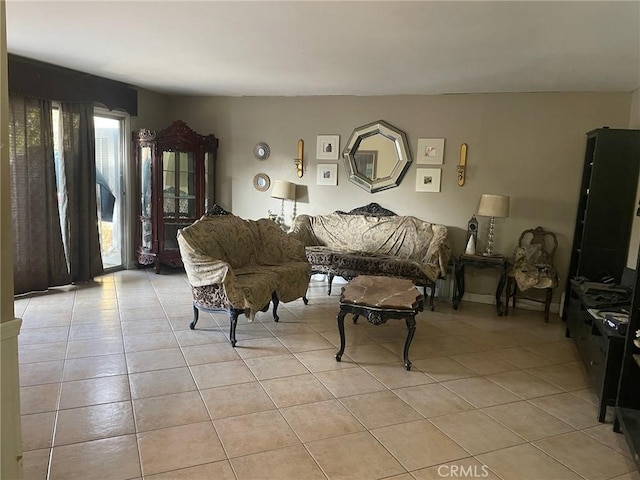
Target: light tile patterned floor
point(114, 385)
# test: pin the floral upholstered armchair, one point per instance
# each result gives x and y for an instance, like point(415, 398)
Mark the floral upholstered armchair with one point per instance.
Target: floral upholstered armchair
point(533, 267)
point(241, 266)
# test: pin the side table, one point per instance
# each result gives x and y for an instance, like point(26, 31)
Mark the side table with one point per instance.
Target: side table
point(498, 262)
point(379, 299)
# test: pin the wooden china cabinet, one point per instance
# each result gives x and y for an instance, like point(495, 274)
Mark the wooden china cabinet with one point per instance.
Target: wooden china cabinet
point(176, 181)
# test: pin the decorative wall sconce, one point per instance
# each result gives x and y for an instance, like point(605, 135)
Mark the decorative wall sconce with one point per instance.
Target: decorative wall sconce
point(462, 166)
point(298, 160)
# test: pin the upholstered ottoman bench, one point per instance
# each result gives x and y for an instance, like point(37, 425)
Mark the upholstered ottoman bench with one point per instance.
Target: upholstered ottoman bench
point(379, 299)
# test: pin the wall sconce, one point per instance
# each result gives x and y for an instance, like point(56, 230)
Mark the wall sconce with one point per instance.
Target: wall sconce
point(298, 161)
point(462, 166)
point(493, 206)
point(285, 191)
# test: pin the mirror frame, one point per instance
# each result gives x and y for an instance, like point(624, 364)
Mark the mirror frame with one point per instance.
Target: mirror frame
point(398, 137)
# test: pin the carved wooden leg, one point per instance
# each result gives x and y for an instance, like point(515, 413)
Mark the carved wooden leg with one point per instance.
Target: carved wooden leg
point(547, 304)
point(507, 296)
point(196, 313)
point(276, 302)
point(233, 319)
point(305, 300)
point(411, 327)
point(433, 294)
point(501, 284)
point(330, 281)
point(459, 277)
point(341, 315)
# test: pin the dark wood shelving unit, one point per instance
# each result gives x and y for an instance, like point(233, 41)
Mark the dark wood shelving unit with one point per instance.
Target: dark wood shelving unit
point(600, 348)
point(629, 423)
point(606, 204)
point(627, 417)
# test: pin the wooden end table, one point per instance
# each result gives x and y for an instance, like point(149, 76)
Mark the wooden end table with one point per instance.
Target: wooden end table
point(379, 299)
point(498, 262)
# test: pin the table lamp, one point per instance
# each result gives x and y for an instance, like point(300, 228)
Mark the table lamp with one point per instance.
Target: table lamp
point(492, 206)
point(285, 191)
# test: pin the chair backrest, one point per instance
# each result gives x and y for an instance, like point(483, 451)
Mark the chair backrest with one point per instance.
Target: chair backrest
point(547, 240)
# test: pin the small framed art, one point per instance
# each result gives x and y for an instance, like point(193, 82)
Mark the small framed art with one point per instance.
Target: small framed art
point(327, 147)
point(430, 151)
point(327, 174)
point(428, 179)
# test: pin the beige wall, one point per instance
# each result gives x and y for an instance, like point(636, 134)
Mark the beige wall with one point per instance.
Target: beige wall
point(634, 117)
point(528, 146)
point(153, 111)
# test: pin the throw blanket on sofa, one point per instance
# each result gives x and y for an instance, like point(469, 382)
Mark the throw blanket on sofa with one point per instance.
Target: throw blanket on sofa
point(246, 260)
point(402, 237)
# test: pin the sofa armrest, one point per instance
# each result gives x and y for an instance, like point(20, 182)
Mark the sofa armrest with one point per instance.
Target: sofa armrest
point(439, 251)
point(302, 231)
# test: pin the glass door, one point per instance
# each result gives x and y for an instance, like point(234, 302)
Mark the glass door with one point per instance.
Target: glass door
point(178, 194)
point(109, 192)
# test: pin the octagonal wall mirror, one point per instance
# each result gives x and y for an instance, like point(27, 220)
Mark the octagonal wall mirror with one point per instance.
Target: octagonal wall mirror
point(377, 156)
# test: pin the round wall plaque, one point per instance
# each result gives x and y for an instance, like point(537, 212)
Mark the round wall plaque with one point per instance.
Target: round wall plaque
point(262, 182)
point(261, 151)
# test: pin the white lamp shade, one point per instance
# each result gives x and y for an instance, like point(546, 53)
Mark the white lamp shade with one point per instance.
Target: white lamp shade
point(283, 189)
point(493, 205)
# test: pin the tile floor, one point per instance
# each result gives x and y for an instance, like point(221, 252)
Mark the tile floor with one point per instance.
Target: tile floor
point(114, 385)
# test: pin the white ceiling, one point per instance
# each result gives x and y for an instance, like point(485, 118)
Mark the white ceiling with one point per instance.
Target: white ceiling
point(337, 48)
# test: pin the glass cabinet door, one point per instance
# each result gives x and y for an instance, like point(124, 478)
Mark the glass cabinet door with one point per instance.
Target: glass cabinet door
point(178, 185)
point(145, 196)
point(209, 180)
point(178, 194)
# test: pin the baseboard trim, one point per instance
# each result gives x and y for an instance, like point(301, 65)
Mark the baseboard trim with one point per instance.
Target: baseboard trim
point(10, 329)
point(520, 303)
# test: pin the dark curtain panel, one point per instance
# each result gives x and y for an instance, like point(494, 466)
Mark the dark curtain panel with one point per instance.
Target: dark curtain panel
point(80, 207)
point(38, 253)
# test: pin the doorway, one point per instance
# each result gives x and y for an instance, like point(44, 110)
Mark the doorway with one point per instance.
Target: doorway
point(110, 155)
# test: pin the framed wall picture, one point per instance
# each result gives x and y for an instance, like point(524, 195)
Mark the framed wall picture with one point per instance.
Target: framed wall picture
point(428, 179)
point(327, 174)
point(327, 147)
point(430, 151)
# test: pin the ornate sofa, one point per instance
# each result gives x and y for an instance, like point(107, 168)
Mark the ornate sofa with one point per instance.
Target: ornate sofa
point(371, 240)
point(240, 266)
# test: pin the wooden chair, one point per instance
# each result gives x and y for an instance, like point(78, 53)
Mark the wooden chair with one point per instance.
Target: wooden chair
point(533, 263)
